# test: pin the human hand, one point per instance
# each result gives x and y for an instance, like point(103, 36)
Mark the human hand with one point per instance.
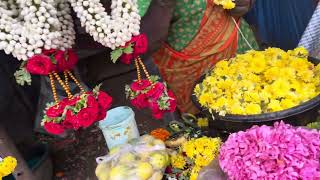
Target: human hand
point(242, 7)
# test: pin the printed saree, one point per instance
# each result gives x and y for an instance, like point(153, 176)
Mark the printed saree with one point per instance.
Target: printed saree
point(215, 39)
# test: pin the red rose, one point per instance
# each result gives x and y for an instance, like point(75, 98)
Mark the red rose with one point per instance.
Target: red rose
point(104, 100)
point(92, 102)
point(55, 111)
point(126, 58)
point(70, 102)
point(140, 44)
point(140, 101)
point(102, 114)
point(53, 128)
point(87, 116)
point(70, 122)
point(66, 60)
point(172, 101)
point(39, 65)
point(48, 52)
point(72, 59)
point(138, 86)
point(156, 91)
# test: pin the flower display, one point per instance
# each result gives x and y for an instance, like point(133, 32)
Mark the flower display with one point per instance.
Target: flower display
point(226, 4)
point(7, 166)
point(192, 156)
point(260, 82)
point(80, 111)
point(160, 133)
point(151, 94)
point(279, 152)
point(28, 27)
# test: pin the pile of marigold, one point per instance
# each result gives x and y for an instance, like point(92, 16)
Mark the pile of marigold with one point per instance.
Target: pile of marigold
point(194, 155)
point(260, 82)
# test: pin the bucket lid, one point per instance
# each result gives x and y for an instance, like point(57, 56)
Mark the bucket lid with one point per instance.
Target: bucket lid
point(116, 116)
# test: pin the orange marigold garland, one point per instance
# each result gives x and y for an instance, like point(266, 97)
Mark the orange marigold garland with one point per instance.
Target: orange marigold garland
point(160, 133)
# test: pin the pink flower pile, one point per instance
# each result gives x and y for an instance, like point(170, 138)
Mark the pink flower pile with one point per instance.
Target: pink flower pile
point(275, 153)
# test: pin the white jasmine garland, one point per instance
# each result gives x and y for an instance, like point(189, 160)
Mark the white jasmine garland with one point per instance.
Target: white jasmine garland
point(110, 30)
point(28, 26)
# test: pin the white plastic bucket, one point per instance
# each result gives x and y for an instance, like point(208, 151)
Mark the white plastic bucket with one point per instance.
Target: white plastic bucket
point(119, 126)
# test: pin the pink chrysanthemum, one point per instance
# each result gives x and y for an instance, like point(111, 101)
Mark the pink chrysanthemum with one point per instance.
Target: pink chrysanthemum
point(279, 153)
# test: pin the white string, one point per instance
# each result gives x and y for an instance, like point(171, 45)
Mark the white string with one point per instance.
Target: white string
point(242, 35)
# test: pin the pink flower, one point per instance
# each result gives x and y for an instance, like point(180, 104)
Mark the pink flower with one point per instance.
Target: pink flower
point(279, 152)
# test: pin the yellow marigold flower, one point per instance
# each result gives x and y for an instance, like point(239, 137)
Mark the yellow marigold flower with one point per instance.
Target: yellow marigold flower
point(252, 108)
point(226, 4)
point(7, 166)
point(178, 161)
point(195, 172)
point(274, 105)
point(260, 79)
point(300, 52)
point(203, 122)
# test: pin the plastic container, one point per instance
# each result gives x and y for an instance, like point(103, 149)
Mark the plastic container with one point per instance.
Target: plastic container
point(119, 126)
point(298, 116)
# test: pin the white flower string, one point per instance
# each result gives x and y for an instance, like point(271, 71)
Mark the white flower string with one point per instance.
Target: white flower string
point(28, 26)
point(111, 31)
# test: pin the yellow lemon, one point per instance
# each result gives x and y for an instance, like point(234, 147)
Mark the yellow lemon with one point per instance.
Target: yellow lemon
point(103, 171)
point(127, 158)
point(144, 170)
point(159, 160)
point(118, 172)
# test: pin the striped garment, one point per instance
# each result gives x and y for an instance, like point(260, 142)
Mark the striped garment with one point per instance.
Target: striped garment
point(311, 36)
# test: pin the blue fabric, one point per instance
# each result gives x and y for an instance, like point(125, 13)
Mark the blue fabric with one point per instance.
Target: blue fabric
point(281, 23)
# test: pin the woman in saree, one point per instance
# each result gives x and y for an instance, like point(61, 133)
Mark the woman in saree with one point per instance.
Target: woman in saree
point(201, 34)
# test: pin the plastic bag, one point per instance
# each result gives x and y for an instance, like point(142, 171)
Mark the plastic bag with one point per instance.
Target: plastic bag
point(141, 159)
point(212, 171)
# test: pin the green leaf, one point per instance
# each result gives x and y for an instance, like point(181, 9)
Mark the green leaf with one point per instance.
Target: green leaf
point(97, 89)
point(22, 77)
point(116, 54)
point(128, 49)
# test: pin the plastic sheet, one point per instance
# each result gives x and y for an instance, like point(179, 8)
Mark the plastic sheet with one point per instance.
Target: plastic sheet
point(212, 171)
point(141, 159)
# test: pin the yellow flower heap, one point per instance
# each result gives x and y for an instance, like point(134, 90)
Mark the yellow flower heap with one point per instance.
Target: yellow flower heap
point(7, 166)
point(199, 151)
point(260, 82)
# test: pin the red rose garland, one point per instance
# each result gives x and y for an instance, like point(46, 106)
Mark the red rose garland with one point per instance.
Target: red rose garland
point(73, 112)
point(147, 93)
point(79, 112)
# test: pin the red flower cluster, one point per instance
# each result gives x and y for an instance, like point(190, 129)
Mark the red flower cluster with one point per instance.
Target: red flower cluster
point(140, 46)
point(155, 96)
point(80, 111)
point(51, 60)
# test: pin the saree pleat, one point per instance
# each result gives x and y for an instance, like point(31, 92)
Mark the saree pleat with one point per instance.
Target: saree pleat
point(215, 40)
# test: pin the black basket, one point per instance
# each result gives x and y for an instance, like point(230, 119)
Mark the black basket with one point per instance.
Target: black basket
point(298, 116)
